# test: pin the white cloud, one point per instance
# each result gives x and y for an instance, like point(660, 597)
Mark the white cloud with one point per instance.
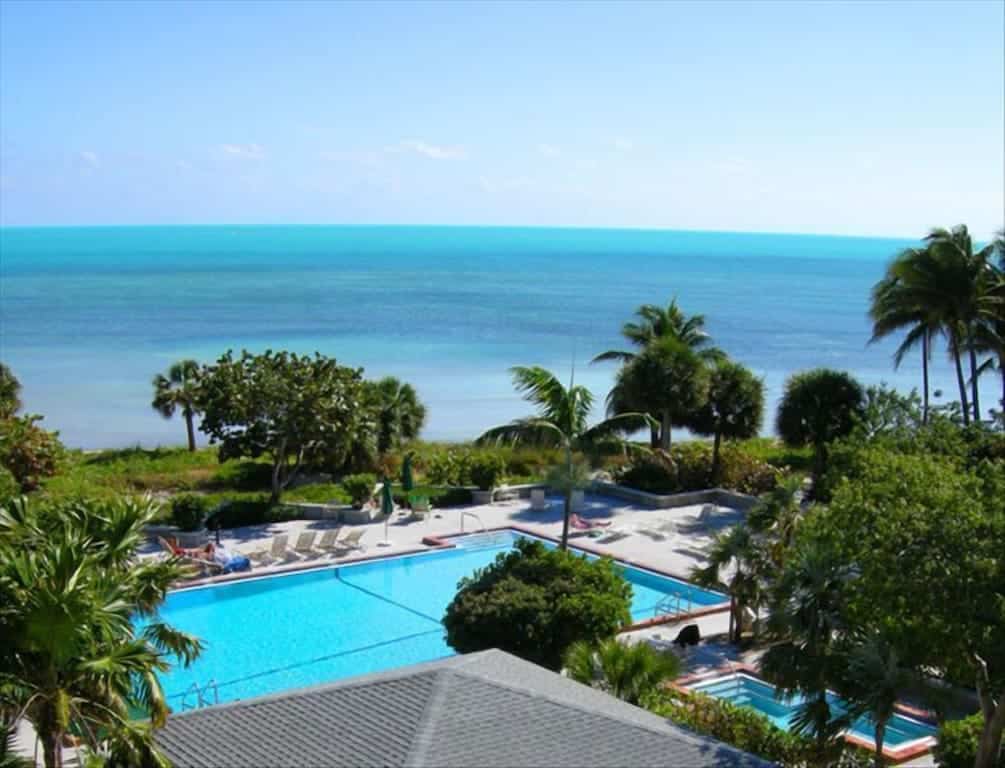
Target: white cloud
point(548, 150)
point(90, 159)
point(623, 145)
point(432, 151)
point(247, 151)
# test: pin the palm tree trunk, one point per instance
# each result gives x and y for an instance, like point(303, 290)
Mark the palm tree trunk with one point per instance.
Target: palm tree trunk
point(190, 429)
point(880, 736)
point(975, 397)
point(924, 376)
point(715, 457)
point(991, 737)
point(1001, 369)
point(732, 616)
point(665, 431)
point(954, 341)
point(52, 750)
point(654, 436)
point(568, 499)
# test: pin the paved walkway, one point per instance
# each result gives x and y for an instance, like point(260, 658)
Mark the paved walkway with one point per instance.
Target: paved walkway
point(636, 535)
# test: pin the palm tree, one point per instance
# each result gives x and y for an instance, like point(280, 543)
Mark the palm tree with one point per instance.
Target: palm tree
point(965, 278)
point(990, 330)
point(656, 322)
point(179, 389)
point(561, 420)
point(873, 680)
point(734, 408)
point(666, 380)
point(736, 564)
point(778, 515)
point(73, 658)
point(897, 306)
point(400, 414)
point(806, 618)
point(10, 392)
point(628, 671)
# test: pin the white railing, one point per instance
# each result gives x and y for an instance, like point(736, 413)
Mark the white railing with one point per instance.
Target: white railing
point(201, 695)
point(465, 513)
point(672, 605)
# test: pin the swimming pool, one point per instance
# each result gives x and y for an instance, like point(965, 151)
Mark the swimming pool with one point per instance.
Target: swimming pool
point(275, 633)
point(747, 691)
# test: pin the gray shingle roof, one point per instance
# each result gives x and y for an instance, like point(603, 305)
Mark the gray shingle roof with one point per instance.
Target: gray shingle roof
point(483, 709)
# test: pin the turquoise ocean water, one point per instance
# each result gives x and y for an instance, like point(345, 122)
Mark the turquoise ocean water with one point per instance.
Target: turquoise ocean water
point(89, 315)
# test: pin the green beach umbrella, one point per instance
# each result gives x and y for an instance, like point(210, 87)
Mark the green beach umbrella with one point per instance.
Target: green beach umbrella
point(386, 509)
point(407, 481)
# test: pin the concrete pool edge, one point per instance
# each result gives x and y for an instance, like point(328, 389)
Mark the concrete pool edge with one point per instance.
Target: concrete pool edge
point(893, 755)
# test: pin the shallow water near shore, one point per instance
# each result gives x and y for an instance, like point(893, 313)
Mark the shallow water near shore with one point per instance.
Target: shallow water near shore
point(89, 315)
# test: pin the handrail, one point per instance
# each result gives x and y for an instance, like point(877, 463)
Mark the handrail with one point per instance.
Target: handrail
point(464, 513)
point(198, 697)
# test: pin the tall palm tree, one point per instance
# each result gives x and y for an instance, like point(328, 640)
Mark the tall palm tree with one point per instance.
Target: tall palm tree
point(74, 657)
point(736, 564)
point(733, 410)
point(874, 678)
point(179, 389)
point(627, 671)
point(897, 306)
point(967, 275)
point(666, 380)
point(561, 420)
point(400, 413)
point(806, 618)
point(656, 322)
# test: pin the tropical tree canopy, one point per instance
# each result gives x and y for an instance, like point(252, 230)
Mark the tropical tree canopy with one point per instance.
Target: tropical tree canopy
point(82, 638)
point(817, 407)
point(655, 322)
point(179, 391)
point(10, 392)
point(535, 602)
point(400, 414)
point(733, 409)
point(29, 452)
point(668, 380)
point(293, 408)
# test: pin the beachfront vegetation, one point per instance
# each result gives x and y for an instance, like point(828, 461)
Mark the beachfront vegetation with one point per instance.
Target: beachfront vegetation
point(29, 452)
point(817, 408)
point(189, 511)
point(487, 470)
point(179, 391)
point(690, 466)
point(295, 409)
point(958, 742)
point(948, 288)
point(360, 488)
point(400, 413)
point(630, 671)
point(561, 421)
point(535, 602)
point(10, 392)
point(73, 661)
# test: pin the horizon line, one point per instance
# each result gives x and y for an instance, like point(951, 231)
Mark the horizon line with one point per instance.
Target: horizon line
point(343, 225)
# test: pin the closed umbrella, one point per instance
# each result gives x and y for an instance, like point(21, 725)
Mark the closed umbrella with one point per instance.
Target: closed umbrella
point(386, 509)
point(407, 481)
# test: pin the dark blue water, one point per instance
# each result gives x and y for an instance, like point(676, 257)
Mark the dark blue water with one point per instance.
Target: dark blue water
point(89, 315)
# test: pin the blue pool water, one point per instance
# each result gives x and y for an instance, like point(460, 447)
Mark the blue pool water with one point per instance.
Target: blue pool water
point(272, 634)
point(747, 691)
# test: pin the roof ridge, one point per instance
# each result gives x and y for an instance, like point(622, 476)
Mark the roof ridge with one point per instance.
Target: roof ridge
point(423, 738)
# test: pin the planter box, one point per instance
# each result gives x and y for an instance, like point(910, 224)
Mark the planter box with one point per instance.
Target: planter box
point(481, 497)
point(718, 496)
point(355, 516)
point(317, 511)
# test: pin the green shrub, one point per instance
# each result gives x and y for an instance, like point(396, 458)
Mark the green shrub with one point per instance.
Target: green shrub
point(745, 473)
point(29, 452)
point(689, 468)
point(251, 511)
point(745, 729)
point(957, 743)
point(535, 602)
point(9, 486)
point(486, 470)
point(651, 473)
point(188, 511)
point(451, 467)
point(359, 487)
point(438, 497)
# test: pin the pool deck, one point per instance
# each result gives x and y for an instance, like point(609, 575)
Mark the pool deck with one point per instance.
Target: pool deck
point(632, 536)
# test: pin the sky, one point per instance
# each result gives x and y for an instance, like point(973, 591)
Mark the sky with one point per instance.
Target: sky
point(862, 118)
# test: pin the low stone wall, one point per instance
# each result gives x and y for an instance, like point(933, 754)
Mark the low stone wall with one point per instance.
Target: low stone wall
point(506, 492)
point(718, 496)
point(318, 511)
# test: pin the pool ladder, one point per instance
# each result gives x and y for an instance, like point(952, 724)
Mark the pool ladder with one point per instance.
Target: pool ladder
point(201, 695)
point(472, 514)
point(672, 605)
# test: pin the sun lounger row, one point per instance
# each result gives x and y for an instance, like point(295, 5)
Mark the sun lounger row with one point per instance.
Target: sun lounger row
point(305, 546)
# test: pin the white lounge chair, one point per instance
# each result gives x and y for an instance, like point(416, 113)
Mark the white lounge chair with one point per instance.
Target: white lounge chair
point(538, 502)
point(660, 530)
point(350, 543)
point(277, 551)
point(305, 544)
point(329, 541)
